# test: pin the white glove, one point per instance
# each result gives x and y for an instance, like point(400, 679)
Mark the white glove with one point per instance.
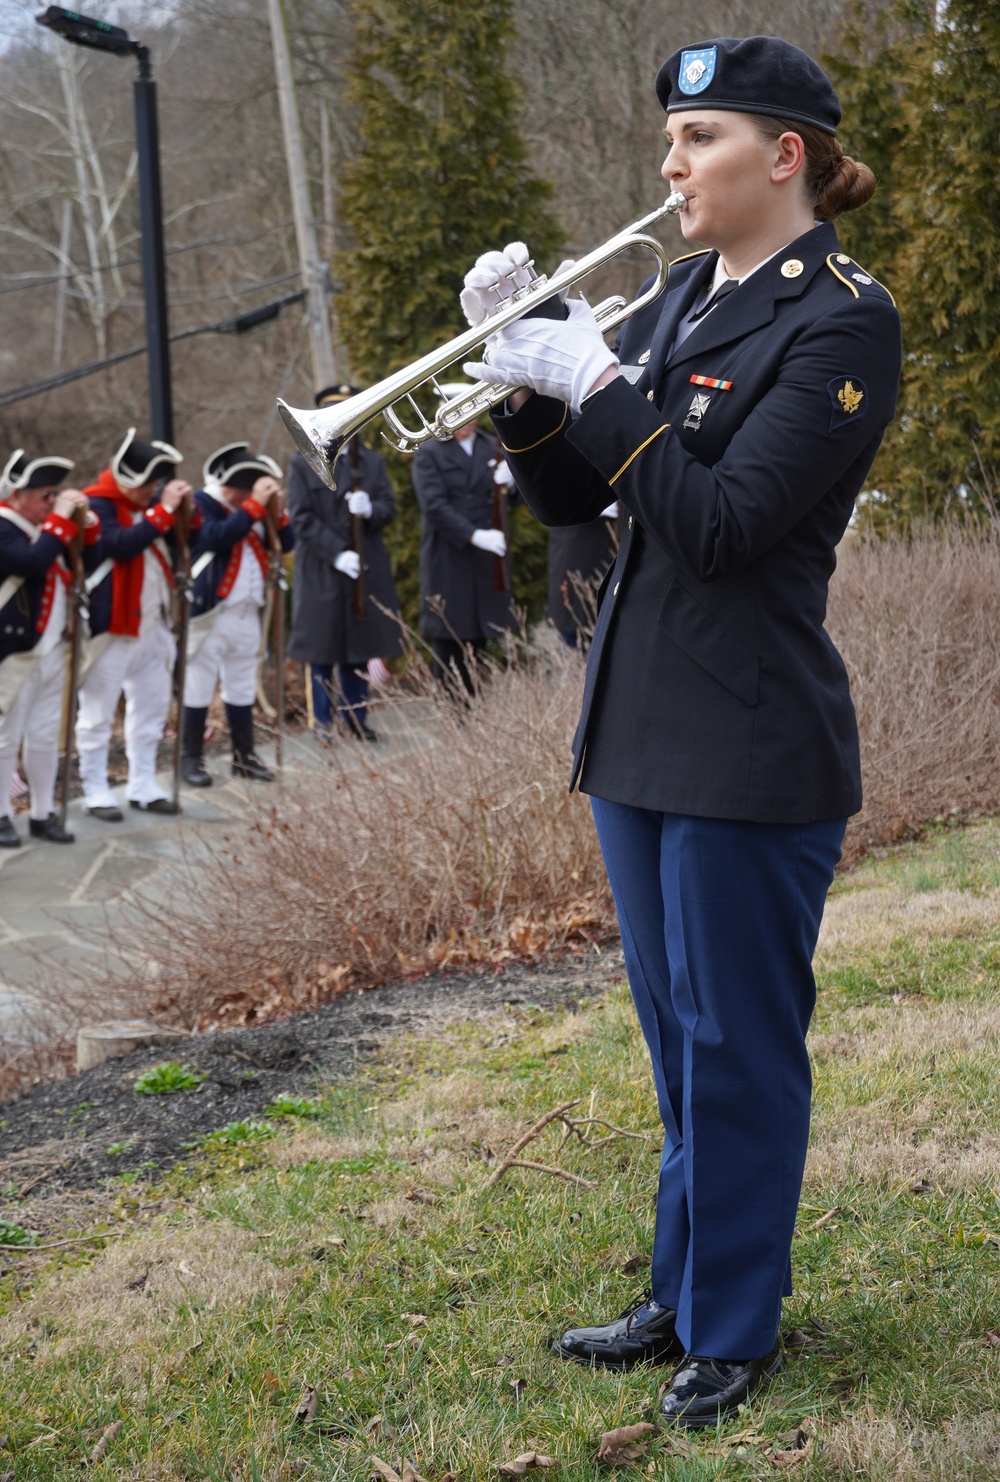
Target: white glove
point(349, 562)
point(359, 503)
point(561, 358)
point(611, 513)
point(495, 276)
point(503, 476)
point(493, 541)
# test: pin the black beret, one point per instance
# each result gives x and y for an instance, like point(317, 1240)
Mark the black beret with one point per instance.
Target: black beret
point(749, 74)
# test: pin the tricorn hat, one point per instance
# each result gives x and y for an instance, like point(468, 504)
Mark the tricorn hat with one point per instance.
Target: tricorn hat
point(330, 395)
point(24, 472)
point(238, 467)
point(137, 463)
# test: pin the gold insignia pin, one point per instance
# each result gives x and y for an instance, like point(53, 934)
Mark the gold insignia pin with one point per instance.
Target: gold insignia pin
point(792, 268)
point(842, 257)
point(849, 398)
point(644, 357)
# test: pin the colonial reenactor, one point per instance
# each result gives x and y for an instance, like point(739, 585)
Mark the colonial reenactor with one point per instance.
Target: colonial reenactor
point(37, 524)
point(578, 557)
point(735, 423)
point(344, 604)
point(461, 604)
point(132, 647)
point(229, 565)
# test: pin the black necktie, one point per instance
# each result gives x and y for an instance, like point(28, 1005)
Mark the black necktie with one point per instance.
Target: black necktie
point(727, 286)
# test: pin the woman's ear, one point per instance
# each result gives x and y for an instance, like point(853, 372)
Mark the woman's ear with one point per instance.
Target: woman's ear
point(790, 156)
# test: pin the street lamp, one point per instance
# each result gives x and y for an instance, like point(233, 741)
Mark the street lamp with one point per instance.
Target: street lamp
point(83, 30)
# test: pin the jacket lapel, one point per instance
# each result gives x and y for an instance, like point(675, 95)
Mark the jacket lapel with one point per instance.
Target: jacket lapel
point(675, 306)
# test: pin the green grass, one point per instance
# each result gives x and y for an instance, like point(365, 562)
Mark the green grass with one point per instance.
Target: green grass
point(353, 1249)
point(167, 1078)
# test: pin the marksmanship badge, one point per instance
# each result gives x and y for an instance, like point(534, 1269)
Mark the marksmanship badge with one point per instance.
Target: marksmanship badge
point(696, 70)
point(696, 411)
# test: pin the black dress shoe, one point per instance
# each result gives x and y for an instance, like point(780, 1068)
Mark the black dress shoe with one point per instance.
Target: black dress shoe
point(50, 828)
point(193, 772)
point(111, 814)
point(644, 1334)
point(707, 1391)
point(251, 766)
point(358, 730)
point(9, 836)
point(158, 805)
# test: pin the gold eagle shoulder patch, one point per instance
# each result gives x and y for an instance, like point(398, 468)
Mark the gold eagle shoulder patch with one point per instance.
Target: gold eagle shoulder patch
point(848, 400)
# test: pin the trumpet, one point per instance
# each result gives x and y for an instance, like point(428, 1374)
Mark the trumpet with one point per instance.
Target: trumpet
point(320, 434)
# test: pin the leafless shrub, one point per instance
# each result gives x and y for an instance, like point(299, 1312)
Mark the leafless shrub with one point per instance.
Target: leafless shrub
point(918, 622)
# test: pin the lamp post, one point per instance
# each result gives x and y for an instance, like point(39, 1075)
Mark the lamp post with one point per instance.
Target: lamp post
point(83, 30)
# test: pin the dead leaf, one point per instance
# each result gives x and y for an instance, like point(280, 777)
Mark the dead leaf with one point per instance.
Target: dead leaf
point(415, 1319)
point(139, 1282)
point(410, 1473)
point(525, 1462)
point(384, 1470)
point(8, 1476)
point(847, 1382)
point(518, 1386)
point(634, 1264)
point(991, 1338)
point(790, 1458)
point(306, 1410)
point(622, 1447)
point(422, 1196)
point(372, 1426)
point(109, 1434)
point(185, 1269)
point(794, 1440)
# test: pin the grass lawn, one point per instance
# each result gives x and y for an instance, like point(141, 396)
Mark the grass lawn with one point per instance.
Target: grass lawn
point(336, 1285)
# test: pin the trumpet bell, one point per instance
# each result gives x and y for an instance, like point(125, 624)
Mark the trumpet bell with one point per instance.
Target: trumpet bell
point(312, 434)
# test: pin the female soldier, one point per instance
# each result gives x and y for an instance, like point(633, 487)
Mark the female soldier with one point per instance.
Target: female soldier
point(718, 741)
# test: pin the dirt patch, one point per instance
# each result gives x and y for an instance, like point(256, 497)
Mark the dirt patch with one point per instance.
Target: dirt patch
point(57, 1136)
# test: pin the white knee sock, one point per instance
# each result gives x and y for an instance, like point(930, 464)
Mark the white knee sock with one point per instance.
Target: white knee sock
point(40, 768)
point(8, 766)
point(94, 772)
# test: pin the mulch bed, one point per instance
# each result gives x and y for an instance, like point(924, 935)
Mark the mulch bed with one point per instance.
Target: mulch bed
point(55, 1138)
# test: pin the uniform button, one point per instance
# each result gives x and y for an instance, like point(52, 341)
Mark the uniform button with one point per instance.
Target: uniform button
point(650, 395)
point(630, 522)
point(615, 592)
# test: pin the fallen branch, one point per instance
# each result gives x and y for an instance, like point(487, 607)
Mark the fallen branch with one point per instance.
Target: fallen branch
point(29, 1250)
point(573, 1127)
point(574, 1178)
point(508, 1160)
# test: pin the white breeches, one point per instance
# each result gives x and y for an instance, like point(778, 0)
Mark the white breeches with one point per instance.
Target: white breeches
point(142, 667)
point(228, 653)
point(34, 716)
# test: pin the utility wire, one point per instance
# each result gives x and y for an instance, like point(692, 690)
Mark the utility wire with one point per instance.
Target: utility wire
point(239, 324)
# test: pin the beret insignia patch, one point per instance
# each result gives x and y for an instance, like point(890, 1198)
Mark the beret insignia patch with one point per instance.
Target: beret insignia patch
point(697, 70)
point(848, 399)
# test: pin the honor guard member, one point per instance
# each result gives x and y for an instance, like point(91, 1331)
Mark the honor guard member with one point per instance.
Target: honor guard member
point(460, 606)
point(36, 526)
point(337, 624)
point(229, 564)
point(578, 557)
point(736, 426)
point(132, 647)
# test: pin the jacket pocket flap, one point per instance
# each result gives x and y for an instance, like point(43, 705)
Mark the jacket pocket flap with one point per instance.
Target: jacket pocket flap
point(714, 647)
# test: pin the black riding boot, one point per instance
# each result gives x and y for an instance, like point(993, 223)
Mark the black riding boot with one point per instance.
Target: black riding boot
point(246, 762)
point(192, 767)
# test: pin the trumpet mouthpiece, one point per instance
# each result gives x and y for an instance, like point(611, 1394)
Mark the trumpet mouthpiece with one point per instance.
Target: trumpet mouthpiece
point(676, 201)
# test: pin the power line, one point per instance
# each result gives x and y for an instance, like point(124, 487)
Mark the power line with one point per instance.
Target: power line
point(238, 324)
point(234, 240)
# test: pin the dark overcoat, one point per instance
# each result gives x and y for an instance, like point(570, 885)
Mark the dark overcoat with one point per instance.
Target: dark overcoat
point(324, 627)
point(577, 554)
point(712, 685)
point(455, 493)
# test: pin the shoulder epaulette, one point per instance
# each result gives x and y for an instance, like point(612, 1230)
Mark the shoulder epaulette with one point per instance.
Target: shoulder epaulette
point(856, 279)
point(704, 251)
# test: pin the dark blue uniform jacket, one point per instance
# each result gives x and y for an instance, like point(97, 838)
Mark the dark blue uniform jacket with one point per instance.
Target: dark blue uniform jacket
point(712, 686)
point(20, 556)
point(220, 531)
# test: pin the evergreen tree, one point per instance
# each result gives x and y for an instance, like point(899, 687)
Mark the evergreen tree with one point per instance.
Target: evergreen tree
point(922, 111)
point(441, 175)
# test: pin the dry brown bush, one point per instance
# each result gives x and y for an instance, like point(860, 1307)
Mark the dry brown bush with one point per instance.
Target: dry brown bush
point(461, 845)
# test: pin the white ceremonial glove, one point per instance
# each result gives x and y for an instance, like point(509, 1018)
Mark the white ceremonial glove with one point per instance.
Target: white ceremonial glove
point(611, 513)
point(494, 277)
point(561, 358)
point(503, 476)
point(359, 503)
point(349, 562)
point(493, 541)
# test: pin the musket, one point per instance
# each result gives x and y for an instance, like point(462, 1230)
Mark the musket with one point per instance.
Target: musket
point(183, 597)
point(278, 581)
point(501, 522)
point(79, 610)
point(359, 597)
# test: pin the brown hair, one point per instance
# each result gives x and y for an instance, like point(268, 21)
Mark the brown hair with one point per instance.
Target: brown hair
point(834, 181)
